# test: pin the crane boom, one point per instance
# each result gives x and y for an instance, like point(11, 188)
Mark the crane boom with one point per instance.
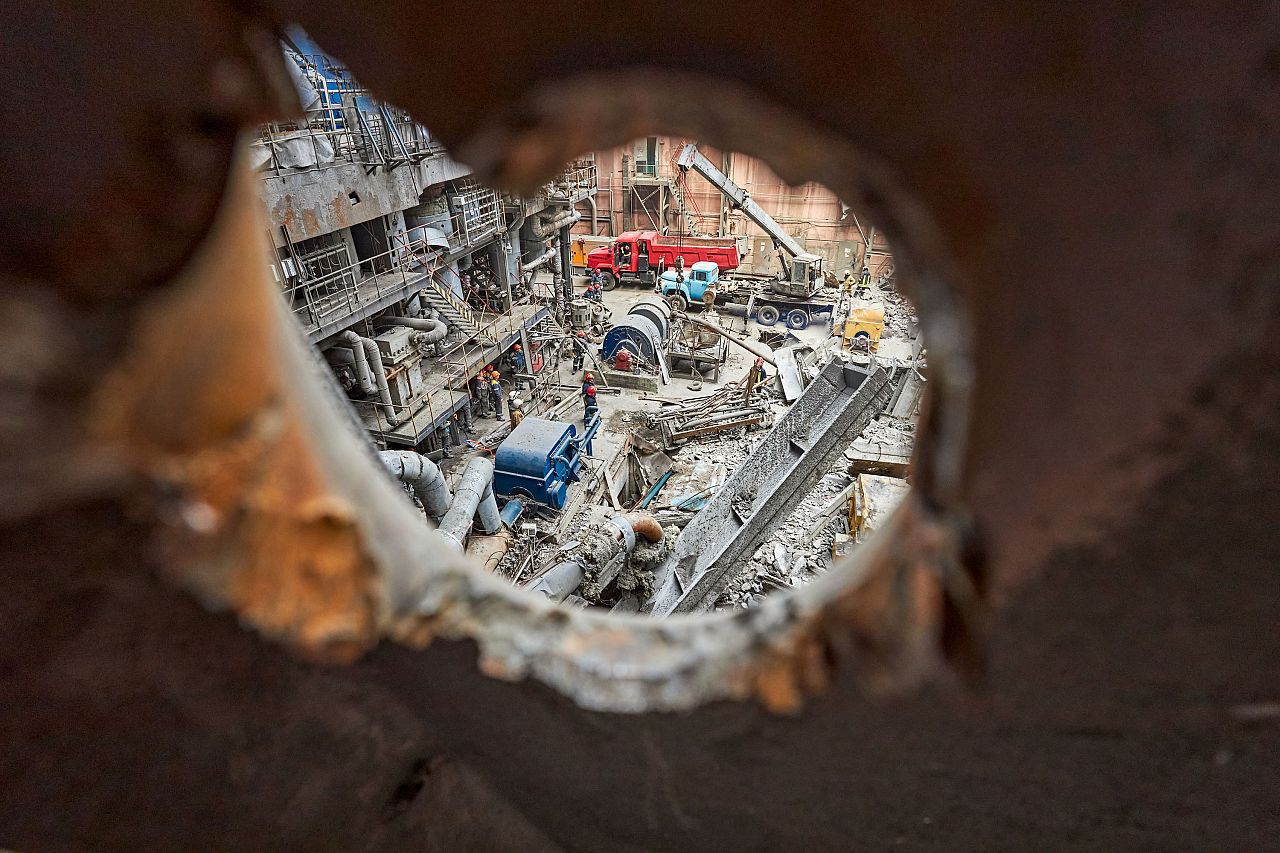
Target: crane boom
point(692, 158)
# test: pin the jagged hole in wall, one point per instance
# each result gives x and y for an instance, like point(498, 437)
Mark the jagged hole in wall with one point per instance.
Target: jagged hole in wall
point(662, 382)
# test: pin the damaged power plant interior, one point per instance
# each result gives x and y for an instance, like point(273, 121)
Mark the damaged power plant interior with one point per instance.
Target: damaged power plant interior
point(469, 429)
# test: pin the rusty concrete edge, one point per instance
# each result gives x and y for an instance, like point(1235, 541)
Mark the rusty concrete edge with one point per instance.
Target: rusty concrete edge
point(274, 560)
point(632, 664)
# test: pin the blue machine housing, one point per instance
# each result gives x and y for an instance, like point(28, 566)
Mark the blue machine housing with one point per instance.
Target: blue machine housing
point(540, 459)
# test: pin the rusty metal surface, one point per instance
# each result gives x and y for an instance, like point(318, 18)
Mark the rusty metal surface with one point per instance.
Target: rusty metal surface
point(157, 430)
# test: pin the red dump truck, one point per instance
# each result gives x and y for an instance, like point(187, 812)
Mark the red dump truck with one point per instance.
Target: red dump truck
point(640, 257)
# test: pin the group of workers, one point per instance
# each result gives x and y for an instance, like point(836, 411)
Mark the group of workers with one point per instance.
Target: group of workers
point(595, 287)
point(857, 286)
point(489, 389)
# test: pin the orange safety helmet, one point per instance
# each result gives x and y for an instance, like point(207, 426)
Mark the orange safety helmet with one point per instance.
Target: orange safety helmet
point(517, 348)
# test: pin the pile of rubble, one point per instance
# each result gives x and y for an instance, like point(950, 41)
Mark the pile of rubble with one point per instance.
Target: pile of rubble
point(794, 552)
point(899, 314)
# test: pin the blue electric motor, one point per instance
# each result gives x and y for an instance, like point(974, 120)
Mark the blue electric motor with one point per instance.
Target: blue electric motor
point(540, 459)
point(637, 333)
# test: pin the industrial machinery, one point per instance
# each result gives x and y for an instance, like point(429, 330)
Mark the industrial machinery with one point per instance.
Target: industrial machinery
point(802, 273)
point(540, 458)
point(402, 359)
point(642, 332)
point(702, 285)
point(861, 330)
point(639, 257)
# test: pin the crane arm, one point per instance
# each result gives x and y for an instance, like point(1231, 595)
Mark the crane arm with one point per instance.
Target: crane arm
point(692, 158)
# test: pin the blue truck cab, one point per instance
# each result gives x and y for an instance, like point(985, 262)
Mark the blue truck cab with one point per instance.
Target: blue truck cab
point(697, 285)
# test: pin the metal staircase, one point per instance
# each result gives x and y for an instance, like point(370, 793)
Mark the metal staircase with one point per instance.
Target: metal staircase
point(437, 293)
point(454, 310)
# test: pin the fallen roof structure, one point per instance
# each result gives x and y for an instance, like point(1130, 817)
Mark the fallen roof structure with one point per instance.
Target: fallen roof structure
point(840, 402)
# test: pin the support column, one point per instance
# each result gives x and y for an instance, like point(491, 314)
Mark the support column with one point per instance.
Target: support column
point(566, 262)
point(503, 260)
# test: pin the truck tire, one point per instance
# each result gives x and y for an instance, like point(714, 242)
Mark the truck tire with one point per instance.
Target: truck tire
point(678, 302)
point(767, 315)
point(709, 298)
point(608, 280)
point(798, 319)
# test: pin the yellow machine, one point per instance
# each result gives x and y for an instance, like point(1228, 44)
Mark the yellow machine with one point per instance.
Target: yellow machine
point(861, 329)
point(581, 245)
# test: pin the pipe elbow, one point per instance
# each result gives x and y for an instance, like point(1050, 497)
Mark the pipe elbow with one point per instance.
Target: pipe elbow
point(646, 525)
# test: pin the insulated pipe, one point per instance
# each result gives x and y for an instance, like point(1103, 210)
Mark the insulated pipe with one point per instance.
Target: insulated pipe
point(563, 578)
point(472, 499)
point(545, 225)
point(592, 201)
point(548, 255)
point(374, 356)
point(422, 475)
point(433, 330)
point(358, 353)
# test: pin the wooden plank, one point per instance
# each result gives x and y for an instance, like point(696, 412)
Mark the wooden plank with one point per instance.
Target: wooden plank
point(611, 489)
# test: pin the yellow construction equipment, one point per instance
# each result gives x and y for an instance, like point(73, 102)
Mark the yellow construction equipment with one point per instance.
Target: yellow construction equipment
point(861, 329)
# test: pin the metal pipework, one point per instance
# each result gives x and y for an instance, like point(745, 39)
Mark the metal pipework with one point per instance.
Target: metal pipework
point(541, 260)
point(620, 533)
point(422, 475)
point(765, 354)
point(473, 499)
point(370, 374)
point(432, 330)
point(374, 356)
point(363, 376)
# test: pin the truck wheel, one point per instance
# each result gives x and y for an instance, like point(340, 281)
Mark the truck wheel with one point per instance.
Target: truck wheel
point(678, 302)
point(767, 315)
point(709, 298)
point(608, 280)
point(798, 319)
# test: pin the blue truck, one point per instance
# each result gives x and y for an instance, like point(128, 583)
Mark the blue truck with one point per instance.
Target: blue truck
point(702, 285)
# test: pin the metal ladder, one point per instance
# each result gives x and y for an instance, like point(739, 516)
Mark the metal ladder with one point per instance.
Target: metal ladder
point(441, 297)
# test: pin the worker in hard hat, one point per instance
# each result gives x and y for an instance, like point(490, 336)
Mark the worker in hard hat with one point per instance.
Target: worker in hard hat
point(517, 411)
point(587, 381)
point(517, 358)
point(481, 395)
point(589, 407)
point(496, 387)
point(579, 350)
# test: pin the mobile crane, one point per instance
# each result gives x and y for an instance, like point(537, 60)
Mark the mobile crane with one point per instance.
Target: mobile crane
point(788, 295)
point(802, 273)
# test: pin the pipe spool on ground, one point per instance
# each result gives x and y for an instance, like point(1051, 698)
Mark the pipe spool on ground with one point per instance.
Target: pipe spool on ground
point(473, 499)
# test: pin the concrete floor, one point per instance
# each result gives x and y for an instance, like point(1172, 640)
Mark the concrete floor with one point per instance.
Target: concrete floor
point(614, 408)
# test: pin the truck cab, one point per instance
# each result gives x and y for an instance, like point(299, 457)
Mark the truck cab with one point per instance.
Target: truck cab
point(695, 285)
point(640, 257)
point(804, 277)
